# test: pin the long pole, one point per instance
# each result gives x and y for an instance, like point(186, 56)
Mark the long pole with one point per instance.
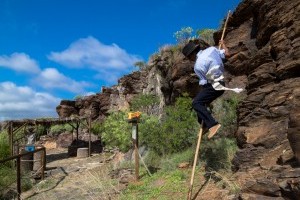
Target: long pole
point(195, 162)
point(90, 136)
point(19, 177)
point(135, 140)
point(225, 25)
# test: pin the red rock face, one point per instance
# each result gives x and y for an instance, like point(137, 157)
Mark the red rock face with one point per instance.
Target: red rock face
point(263, 37)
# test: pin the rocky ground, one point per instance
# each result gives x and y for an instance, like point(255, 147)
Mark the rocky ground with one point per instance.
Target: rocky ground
point(76, 178)
point(100, 177)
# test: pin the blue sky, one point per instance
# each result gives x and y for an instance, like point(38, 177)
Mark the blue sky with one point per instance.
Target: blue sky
point(59, 49)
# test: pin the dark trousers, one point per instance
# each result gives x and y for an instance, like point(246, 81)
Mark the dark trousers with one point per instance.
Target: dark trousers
point(204, 98)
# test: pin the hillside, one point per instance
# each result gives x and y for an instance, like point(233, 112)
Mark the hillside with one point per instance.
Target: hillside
point(264, 40)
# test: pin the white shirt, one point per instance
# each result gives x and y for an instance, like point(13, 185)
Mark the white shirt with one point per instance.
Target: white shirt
point(206, 59)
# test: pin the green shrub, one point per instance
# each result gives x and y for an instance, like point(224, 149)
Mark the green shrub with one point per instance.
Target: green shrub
point(225, 111)
point(7, 176)
point(117, 131)
point(145, 103)
point(183, 35)
point(218, 153)
point(176, 131)
point(172, 161)
point(153, 160)
point(96, 128)
point(141, 65)
point(206, 35)
point(4, 145)
point(61, 128)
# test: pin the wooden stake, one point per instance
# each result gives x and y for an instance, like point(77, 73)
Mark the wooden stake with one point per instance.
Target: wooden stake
point(135, 141)
point(195, 162)
point(225, 25)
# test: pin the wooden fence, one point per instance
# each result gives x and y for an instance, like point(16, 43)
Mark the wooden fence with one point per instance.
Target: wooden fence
point(18, 165)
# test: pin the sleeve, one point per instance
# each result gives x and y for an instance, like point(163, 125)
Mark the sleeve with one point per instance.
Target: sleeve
point(200, 71)
point(222, 53)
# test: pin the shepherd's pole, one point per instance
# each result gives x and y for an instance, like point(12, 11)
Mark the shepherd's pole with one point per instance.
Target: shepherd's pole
point(201, 129)
point(195, 162)
point(225, 25)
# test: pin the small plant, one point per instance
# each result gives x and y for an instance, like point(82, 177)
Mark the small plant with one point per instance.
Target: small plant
point(206, 35)
point(8, 176)
point(57, 129)
point(172, 161)
point(176, 130)
point(78, 97)
point(219, 153)
point(96, 128)
point(183, 35)
point(4, 145)
point(141, 65)
point(225, 111)
point(145, 103)
point(116, 131)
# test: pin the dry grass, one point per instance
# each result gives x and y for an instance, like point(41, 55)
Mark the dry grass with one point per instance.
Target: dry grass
point(90, 184)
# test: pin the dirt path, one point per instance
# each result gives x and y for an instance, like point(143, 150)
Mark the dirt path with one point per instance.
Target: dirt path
point(99, 178)
point(75, 178)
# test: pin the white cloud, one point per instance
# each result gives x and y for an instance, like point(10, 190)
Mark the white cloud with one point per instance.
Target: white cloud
point(19, 62)
point(89, 52)
point(51, 78)
point(18, 102)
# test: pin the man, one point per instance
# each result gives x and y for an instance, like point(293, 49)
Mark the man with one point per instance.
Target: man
point(209, 68)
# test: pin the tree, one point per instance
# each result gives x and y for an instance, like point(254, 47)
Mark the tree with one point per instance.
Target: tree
point(183, 35)
point(141, 65)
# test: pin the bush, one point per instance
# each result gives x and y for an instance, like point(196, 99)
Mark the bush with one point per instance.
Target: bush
point(176, 131)
point(225, 111)
point(219, 153)
point(117, 131)
point(4, 145)
point(7, 176)
point(96, 128)
point(141, 65)
point(57, 129)
point(145, 103)
point(171, 162)
point(207, 35)
point(183, 35)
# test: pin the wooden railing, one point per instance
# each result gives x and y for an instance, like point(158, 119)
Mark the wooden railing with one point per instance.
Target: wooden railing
point(18, 165)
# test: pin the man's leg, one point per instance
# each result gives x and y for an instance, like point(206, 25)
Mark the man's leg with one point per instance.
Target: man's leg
point(205, 97)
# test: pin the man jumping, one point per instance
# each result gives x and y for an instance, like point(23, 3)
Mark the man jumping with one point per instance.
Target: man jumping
point(209, 68)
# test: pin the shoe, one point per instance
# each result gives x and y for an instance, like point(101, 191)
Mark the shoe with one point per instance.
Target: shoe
point(213, 130)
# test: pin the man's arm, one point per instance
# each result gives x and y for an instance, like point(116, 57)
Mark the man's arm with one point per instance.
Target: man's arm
point(223, 46)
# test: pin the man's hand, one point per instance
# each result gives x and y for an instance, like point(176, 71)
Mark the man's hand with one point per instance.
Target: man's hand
point(223, 46)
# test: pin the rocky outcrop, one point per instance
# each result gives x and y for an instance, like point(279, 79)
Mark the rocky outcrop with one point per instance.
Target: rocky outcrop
point(264, 40)
point(263, 37)
point(115, 98)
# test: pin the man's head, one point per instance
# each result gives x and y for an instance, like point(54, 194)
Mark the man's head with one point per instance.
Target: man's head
point(190, 50)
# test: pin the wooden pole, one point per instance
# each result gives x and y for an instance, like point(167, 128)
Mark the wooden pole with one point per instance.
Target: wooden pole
point(77, 130)
point(195, 162)
point(225, 25)
point(90, 137)
point(43, 164)
point(11, 143)
point(136, 148)
point(19, 177)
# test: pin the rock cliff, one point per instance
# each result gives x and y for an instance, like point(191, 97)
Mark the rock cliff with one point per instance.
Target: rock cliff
point(264, 40)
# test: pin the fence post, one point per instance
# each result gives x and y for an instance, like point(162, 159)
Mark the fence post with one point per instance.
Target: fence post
point(19, 177)
point(135, 141)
